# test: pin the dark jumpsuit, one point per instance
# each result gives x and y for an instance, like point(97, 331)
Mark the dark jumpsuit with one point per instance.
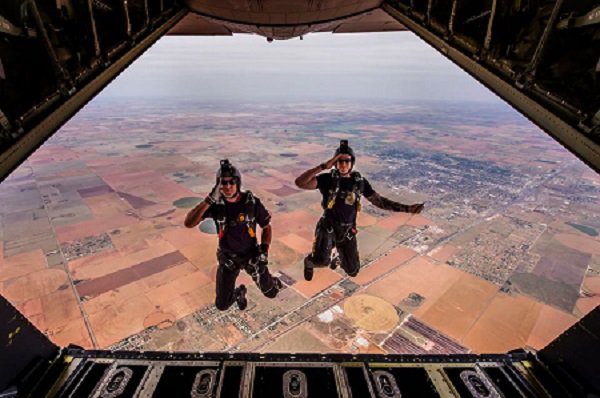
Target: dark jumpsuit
point(238, 250)
point(337, 226)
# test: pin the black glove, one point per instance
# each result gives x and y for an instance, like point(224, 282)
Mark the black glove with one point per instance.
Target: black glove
point(214, 195)
point(263, 253)
point(415, 209)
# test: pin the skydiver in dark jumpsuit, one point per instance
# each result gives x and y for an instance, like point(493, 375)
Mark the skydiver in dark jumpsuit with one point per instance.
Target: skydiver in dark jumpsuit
point(341, 189)
point(236, 214)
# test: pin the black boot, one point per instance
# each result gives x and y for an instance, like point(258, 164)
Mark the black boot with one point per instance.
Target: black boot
point(240, 297)
point(335, 262)
point(308, 269)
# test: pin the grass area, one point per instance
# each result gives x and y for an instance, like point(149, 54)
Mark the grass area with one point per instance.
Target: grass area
point(584, 228)
point(187, 202)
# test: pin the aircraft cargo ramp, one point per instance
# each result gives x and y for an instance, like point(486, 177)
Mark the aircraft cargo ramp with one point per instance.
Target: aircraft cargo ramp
point(32, 366)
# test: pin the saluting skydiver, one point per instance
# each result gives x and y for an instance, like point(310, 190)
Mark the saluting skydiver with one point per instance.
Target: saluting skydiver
point(341, 189)
point(236, 214)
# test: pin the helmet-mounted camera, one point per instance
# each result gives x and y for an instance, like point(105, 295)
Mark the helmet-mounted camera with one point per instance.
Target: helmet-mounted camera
point(345, 149)
point(226, 169)
point(344, 146)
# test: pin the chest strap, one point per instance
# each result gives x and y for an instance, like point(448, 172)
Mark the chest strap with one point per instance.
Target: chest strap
point(357, 188)
point(248, 217)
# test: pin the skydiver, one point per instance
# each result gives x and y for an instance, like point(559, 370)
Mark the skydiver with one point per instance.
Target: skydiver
point(341, 189)
point(236, 214)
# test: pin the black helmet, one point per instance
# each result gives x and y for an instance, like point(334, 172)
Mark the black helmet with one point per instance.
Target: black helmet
point(345, 149)
point(227, 170)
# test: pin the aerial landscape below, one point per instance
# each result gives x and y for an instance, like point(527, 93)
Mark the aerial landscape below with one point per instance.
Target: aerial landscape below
point(506, 254)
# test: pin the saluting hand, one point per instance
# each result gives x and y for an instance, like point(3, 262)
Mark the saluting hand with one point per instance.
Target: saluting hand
point(214, 195)
point(329, 164)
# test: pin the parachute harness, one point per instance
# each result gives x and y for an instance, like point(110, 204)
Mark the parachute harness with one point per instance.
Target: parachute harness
point(357, 188)
point(247, 218)
point(356, 192)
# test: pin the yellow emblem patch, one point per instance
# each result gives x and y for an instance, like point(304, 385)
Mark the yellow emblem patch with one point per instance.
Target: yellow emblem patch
point(242, 218)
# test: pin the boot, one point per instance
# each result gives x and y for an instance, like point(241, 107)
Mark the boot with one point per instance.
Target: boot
point(308, 269)
point(335, 262)
point(240, 297)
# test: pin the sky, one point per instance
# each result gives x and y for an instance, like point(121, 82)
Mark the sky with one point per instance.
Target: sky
point(392, 66)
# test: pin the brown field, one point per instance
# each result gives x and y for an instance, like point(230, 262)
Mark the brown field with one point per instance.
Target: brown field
point(44, 296)
point(297, 340)
point(417, 220)
point(382, 265)
point(107, 262)
point(74, 332)
point(132, 237)
point(106, 300)
point(283, 191)
point(471, 310)
point(35, 284)
point(591, 286)
point(365, 220)
point(550, 324)
point(370, 243)
point(21, 264)
point(114, 280)
point(282, 257)
point(394, 221)
point(580, 242)
point(585, 305)
point(178, 291)
point(322, 279)
point(59, 308)
point(299, 222)
point(419, 275)
point(199, 248)
point(506, 324)
point(253, 183)
point(514, 322)
point(168, 190)
point(457, 309)
point(122, 319)
point(161, 210)
point(34, 311)
point(182, 237)
point(106, 205)
point(444, 253)
point(297, 243)
point(92, 227)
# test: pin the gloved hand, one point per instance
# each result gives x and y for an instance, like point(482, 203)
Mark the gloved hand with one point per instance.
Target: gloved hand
point(416, 208)
point(263, 253)
point(215, 194)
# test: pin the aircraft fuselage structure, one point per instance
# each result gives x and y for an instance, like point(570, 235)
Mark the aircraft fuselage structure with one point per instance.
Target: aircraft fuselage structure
point(542, 57)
